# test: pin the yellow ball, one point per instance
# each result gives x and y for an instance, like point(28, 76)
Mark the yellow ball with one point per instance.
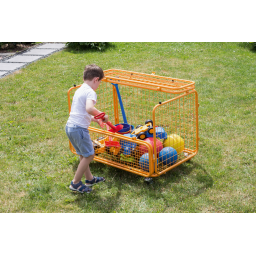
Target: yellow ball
point(174, 141)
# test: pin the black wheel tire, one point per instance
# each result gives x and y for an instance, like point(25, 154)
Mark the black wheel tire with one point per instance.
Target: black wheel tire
point(148, 181)
point(141, 136)
point(150, 130)
point(149, 121)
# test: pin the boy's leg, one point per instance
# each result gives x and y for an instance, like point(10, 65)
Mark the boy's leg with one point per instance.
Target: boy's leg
point(88, 175)
point(83, 168)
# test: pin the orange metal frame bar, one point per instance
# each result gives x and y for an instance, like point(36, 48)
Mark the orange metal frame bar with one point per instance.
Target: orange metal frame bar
point(150, 76)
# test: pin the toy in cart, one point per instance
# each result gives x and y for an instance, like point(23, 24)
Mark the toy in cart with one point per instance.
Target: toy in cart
point(146, 131)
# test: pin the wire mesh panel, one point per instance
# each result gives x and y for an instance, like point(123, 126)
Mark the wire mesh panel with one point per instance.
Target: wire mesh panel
point(179, 119)
point(162, 113)
point(122, 151)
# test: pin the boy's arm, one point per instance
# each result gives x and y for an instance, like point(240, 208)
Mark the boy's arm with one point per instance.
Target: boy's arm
point(90, 109)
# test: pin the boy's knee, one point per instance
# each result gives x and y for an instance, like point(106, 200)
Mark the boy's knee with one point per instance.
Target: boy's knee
point(91, 157)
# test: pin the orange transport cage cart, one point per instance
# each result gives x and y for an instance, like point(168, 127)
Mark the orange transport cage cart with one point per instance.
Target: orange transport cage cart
point(162, 114)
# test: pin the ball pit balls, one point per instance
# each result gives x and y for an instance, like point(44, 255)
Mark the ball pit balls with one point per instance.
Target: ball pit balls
point(159, 146)
point(144, 162)
point(168, 155)
point(174, 141)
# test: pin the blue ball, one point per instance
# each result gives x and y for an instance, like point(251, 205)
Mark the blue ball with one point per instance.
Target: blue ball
point(144, 162)
point(168, 155)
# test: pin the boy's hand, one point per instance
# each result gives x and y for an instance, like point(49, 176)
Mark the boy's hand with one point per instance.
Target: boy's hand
point(105, 118)
point(100, 121)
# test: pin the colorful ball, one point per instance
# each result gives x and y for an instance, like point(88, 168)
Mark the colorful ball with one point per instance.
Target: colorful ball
point(159, 146)
point(144, 162)
point(174, 141)
point(168, 155)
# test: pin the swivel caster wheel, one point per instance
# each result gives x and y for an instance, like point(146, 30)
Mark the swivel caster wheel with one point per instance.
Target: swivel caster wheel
point(148, 180)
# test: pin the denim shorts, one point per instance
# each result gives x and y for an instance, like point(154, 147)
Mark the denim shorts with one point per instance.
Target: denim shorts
point(80, 139)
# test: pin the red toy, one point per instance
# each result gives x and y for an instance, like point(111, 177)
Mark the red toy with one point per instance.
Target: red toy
point(114, 128)
point(112, 144)
point(159, 146)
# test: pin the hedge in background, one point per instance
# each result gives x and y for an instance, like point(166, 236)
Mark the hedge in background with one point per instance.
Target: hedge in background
point(85, 45)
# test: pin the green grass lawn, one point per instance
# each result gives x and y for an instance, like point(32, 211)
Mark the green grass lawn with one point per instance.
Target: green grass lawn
point(36, 165)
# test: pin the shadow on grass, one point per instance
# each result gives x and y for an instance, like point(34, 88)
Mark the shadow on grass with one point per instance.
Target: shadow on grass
point(108, 197)
point(89, 50)
point(122, 192)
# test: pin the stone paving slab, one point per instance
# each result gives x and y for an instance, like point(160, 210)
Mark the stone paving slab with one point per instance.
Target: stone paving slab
point(2, 73)
point(39, 52)
point(23, 58)
point(4, 66)
point(9, 64)
point(51, 46)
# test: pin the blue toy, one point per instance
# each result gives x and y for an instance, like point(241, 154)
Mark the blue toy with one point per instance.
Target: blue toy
point(144, 162)
point(127, 146)
point(126, 127)
point(146, 131)
point(160, 133)
point(168, 155)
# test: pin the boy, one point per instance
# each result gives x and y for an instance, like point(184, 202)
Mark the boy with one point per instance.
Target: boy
point(81, 115)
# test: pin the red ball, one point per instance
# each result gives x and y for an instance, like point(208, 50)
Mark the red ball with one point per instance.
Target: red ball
point(159, 146)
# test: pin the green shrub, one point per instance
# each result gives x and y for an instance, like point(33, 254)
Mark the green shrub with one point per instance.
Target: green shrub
point(253, 46)
point(85, 45)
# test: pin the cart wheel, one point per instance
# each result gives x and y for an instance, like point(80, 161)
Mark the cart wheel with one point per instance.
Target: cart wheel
point(150, 130)
point(186, 155)
point(141, 136)
point(138, 126)
point(148, 180)
point(149, 121)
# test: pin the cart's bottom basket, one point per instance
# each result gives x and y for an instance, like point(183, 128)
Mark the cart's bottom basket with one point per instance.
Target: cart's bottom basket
point(135, 155)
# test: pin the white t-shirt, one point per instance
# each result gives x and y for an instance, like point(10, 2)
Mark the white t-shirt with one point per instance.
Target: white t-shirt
point(78, 114)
